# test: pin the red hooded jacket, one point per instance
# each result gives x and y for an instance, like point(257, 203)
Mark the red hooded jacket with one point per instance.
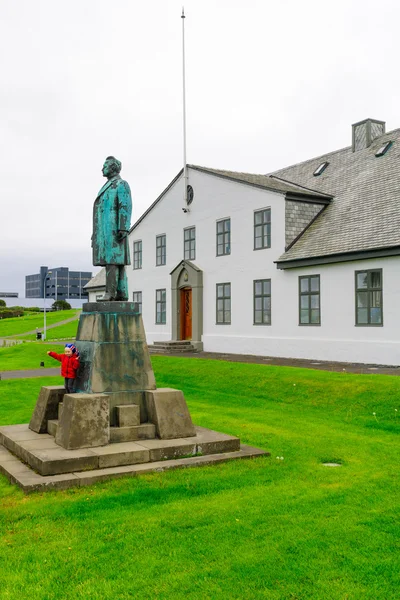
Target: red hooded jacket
point(69, 364)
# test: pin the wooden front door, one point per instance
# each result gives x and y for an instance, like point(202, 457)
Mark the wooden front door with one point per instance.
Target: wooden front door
point(186, 314)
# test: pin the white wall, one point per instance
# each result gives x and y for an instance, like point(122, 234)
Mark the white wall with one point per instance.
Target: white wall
point(337, 338)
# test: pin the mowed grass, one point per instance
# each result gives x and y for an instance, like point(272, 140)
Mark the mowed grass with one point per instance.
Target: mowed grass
point(28, 356)
point(62, 332)
point(262, 528)
point(29, 322)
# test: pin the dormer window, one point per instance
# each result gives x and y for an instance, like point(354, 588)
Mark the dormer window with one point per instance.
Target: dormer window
point(383, 149)
point(320, 169)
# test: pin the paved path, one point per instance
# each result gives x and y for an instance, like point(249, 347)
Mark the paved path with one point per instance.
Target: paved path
point(29, 373)
point(243, 358)
point(75, 318)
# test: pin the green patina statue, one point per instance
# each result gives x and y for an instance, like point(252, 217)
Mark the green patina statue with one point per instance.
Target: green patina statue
point(111, 221)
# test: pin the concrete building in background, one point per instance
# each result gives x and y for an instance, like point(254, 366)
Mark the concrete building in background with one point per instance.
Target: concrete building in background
point(57, 283)
point(8, 294)
point(303, 262)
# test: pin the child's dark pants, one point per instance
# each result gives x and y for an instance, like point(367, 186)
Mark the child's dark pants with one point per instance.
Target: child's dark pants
point(69, 385)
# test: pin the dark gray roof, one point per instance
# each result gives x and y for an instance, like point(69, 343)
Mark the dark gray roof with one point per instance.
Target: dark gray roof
point(365, 212)
point(269, 182)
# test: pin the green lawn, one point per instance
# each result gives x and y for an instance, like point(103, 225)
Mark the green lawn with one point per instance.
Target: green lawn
point(67, 331)
point(264, 528)
point(28, 322)
point(27, 356)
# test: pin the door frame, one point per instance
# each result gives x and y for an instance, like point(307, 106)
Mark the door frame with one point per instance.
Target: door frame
point(186, 274)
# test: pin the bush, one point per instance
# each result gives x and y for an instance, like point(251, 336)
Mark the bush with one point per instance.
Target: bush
point(32, 309)
point(61, 305)
point(2, 302)
point(7, 314)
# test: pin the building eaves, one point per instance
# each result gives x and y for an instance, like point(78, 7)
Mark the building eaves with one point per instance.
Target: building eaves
point(266, 182)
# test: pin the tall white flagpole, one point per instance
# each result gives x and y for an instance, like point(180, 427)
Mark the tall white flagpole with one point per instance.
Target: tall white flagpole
point(185, 171)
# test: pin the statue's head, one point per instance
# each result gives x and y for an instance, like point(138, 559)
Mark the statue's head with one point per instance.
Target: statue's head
point(111, 167)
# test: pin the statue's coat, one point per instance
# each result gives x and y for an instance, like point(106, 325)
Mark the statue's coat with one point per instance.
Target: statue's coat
point(111, 213)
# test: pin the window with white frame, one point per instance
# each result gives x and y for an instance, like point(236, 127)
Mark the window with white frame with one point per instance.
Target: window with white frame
point(137, 254)
point(223, 237)
point(223, 303)
point(161, 306)
point(161, 250)
point(137, 297)
point(189, 243)
point(369, 297)
point(309, 300)
point(262, 229)
point(262, 302)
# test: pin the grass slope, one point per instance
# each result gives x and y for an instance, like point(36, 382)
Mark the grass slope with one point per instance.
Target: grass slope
point(264, 528)
point(28, 356)
point(17, 325)
point(67, 331)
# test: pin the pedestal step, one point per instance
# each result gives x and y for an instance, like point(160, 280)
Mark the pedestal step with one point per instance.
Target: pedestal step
point(44, 456)
point(52, 427)
point(145, 431)
point(172, 347)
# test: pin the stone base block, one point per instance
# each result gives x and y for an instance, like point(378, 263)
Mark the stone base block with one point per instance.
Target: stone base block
point(126, 398)
point(168, 411)
point(46, 407)
point(85, 421)
point(145, 431)
point(114, 353)
point(52, 427)
point(128, 415)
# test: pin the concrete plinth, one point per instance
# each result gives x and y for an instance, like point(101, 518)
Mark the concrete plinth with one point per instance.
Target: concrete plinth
point(114, 354)
point(168, 411)
point(46, 407)
point(85, 421)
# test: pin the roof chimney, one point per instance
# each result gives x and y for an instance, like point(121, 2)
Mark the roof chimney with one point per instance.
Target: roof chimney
point(364, 133)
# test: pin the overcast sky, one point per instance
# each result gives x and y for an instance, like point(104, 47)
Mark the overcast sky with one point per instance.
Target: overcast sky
point(268, 84)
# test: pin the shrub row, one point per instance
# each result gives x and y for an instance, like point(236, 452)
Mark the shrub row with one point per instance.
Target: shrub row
point(7, 314)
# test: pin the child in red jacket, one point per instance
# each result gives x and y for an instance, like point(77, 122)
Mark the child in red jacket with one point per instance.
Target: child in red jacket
point(69, 365)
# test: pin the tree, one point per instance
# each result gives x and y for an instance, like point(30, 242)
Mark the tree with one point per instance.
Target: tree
point(2, 303)
point(61, 305)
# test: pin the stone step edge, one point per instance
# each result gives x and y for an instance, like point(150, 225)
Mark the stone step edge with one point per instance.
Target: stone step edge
point(209, 447)
point(29, 481)
point(115, 432)
point(161, 350)
point(174, 343)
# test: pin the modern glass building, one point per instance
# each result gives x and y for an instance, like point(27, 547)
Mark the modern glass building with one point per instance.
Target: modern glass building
point(57, 283)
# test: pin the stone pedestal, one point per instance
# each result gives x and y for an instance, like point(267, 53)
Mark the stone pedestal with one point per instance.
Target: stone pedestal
point(116, 399)
point(85, 422)
point(115, 359)
point(168, 411)
point(46, 407)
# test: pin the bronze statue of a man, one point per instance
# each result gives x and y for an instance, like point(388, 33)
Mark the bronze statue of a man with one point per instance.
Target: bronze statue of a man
point(111, 221)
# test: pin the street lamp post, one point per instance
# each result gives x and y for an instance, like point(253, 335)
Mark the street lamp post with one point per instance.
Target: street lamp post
point(44, 305)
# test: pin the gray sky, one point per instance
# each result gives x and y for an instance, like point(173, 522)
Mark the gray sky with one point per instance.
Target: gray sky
point(268, 84)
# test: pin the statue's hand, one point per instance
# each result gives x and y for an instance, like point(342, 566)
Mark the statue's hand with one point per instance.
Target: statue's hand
point(121, 235)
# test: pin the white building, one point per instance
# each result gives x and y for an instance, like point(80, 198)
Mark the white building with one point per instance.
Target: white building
point(300, 263)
